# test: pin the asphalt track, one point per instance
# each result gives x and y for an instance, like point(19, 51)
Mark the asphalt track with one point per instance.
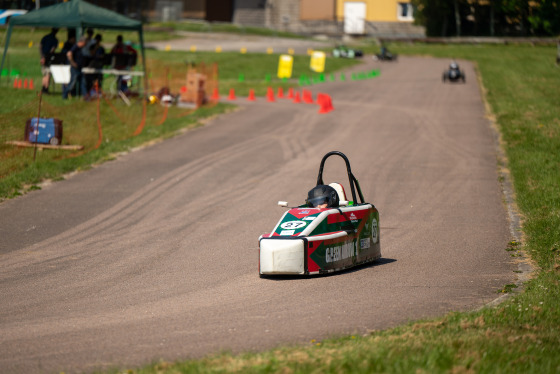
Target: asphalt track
point(154, 255)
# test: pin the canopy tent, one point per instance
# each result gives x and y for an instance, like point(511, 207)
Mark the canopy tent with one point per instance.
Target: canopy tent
point(76, 14)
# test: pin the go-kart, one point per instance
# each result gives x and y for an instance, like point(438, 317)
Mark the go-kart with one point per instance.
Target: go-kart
point(385, 55)
point(453, 74)
point(315, 240)
point(344, 51)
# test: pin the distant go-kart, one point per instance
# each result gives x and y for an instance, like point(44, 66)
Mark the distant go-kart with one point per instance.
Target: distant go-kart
point(346, 52)
point(385, 55)
point(453, 74)
point(314, 239)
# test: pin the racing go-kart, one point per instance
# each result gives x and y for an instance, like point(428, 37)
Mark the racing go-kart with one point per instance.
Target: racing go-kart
point(344, 51)
point(327, 234)
point(385, 55)
point(453, 74)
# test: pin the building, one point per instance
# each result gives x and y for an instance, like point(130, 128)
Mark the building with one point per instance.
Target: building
point(384, 18)
point(381, 18)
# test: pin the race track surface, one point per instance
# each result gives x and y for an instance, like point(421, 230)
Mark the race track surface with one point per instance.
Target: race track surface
point(155, 255)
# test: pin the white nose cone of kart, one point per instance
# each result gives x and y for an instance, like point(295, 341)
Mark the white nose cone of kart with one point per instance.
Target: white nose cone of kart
point(279, 256)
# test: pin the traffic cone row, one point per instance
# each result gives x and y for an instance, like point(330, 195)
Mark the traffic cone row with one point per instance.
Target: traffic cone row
point(324, 100)
point(25, 84)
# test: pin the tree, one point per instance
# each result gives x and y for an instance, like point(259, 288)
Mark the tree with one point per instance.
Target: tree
point(488, 17)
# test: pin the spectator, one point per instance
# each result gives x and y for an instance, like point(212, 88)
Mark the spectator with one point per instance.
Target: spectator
point(97, 53)
point(124, 57)
point(89, 42)
point(47, 47)
point(68, 44)
point(76, 59)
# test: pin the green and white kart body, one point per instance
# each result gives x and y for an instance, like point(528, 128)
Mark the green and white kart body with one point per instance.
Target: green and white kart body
point(310, 240)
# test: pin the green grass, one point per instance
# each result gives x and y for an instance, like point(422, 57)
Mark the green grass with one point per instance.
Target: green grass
point(520, 335)
point(22, 169)
point(257, 70)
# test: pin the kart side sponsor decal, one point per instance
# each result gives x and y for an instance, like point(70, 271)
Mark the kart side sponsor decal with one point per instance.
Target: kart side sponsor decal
point(333, 254)
point(364, 243)
point(300, 213)
point(353, 216)
point(340, 252)
point(374, 231)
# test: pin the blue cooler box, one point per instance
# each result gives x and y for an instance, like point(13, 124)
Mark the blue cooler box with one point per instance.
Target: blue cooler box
point(44, 131)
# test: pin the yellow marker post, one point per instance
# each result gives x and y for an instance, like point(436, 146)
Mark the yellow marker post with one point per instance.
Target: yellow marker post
point(317, 63)
point(269, 50)
point(285, 65)
point(167, 48)
point(243, 50)
point(193, 48)
point(290, 51)
point(218, 49)
point(30, 44)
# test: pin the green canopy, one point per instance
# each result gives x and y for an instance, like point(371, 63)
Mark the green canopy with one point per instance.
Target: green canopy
point(76, 14)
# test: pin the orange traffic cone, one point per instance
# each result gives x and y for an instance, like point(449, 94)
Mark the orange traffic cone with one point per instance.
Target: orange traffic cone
point(290, 93)
point(15, 83)
point(270, 94)
point(31, 86)
point(325, 103)
point(25, 83)
point(251, 95)
point(19, 83)
point(307, 97)
point(231, 94)
point(215, 95)
point(280, 92)
point(296, 98)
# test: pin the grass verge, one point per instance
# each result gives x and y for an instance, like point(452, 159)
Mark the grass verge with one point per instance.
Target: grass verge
point(519, 335)
point(23, 169)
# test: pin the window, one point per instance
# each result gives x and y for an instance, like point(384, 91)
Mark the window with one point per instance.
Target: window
point(405, 12)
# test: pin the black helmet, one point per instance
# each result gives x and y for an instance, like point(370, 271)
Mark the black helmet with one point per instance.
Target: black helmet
point(322, 194)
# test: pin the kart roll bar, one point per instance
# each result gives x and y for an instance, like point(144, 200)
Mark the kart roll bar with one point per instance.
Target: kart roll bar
point(352, 179)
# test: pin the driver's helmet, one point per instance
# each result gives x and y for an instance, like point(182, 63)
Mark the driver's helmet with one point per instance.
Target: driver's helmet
point(322, 194)
point(454, 66)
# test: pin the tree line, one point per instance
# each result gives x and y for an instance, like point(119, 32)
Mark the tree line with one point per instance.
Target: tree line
point(488, 17)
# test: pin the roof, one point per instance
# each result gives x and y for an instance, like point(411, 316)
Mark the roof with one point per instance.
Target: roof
point(76, 14)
